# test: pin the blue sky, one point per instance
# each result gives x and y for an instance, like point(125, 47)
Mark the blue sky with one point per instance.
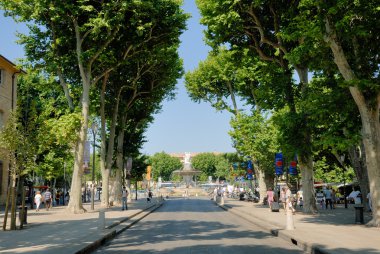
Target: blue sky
point(182, 125)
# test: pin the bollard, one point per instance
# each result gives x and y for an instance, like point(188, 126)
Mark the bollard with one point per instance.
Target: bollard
point(289, 219)
point(221, 200)
point(359, 217)
point(102, 220)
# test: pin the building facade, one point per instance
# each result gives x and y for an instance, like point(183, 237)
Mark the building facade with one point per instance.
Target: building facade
point(8, 97)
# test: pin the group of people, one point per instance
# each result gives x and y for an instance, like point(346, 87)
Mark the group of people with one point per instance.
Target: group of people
point(46, 197)
point(326, 197)
point(285, 198)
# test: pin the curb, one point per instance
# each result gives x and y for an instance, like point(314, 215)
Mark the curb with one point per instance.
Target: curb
point(111, 235)
point(275, 231)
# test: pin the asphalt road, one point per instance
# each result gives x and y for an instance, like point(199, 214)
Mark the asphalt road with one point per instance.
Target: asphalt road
point(195, 226)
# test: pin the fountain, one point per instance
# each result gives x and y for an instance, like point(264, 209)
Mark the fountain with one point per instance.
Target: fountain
point(187, 172)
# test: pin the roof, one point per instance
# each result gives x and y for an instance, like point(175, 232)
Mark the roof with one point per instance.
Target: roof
point(11, 64)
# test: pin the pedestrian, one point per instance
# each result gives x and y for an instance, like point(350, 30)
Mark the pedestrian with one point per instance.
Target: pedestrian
point(300, 202)
point(37, 200)
point(333, 198)
point(150, 196)
point(47, 198)
point(289, 200)
point(88, 194)
point(328, 198)
point(320, 198)
point(57, 198)
point(283, 197)
point(270, 197)
point(124, 196)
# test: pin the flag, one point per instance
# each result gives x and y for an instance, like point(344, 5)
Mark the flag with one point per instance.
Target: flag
point(293, 167)
point(279, 164)
point(249, 170)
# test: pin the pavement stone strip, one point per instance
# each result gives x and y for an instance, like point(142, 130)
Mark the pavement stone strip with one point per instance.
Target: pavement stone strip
point(55, 231)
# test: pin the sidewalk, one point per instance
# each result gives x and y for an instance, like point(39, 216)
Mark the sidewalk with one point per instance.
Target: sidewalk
point(56, 231)
point(329, 231)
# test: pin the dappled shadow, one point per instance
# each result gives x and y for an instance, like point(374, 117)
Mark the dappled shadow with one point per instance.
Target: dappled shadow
point(189, 236)
point(324, 249)
point(205, 249)
point(61, 232)
point(339, 216)
point(49, 238)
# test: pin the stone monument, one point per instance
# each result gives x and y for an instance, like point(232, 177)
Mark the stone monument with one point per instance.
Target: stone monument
point(187, 172)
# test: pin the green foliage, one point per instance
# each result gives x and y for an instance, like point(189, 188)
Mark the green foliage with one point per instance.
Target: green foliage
point(44, 117)
point(139, 166)
point(256, 136)
point(330, 173)
point(204, 162)
point(222, 168)
point(214, 165)
point(17, 146)
point(163, 165)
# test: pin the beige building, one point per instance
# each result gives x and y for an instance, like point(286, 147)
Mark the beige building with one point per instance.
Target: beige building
point(8, 96)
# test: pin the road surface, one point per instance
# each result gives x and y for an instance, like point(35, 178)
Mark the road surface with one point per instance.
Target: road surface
point(195, 226)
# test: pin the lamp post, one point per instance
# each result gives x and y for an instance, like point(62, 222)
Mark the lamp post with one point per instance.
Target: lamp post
point(94, 128)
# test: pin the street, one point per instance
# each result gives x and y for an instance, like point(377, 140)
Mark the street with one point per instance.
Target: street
point(196, 226)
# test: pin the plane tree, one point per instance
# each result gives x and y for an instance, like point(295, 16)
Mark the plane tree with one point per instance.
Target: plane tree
point(73, 40)
point(351, 32)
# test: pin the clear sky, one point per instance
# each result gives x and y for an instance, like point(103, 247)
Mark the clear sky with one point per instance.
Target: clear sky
point(182, 125)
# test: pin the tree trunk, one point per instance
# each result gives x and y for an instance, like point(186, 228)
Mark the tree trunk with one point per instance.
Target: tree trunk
point(371, 140)
point(260, 176)
point(233, 99)
point(120, 154)
point(22, 211)
point(13, 205)
point(369, 113)
point(128, 187)
point(108, 151)
point(7, 207)
point(118, 187)
point(75, 203)
point(306, 166)
point(359, 165)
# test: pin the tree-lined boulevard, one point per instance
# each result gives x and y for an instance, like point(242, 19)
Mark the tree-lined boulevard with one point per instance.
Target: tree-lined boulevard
point(57, 231)
point(300, 80)
point(196, 226)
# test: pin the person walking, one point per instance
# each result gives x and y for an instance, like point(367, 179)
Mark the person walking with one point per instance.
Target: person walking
point(47, 198)
point(270, 197)
point(150, 196)
point(289, 200)
point(328, 198)
point(283, 197)
point(333, 198)
point(57, 198)
point(37, 200)
point(124, 196)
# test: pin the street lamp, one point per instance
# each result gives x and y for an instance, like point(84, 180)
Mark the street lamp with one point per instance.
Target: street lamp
point(94, 128)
